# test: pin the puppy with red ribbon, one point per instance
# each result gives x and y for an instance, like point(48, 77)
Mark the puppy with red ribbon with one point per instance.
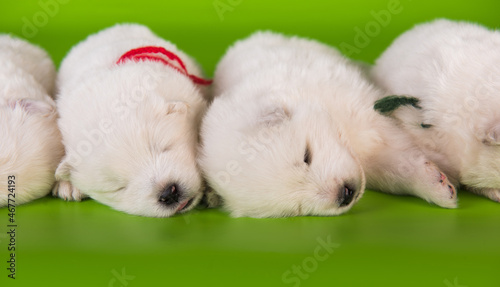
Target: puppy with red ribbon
point(130, 109)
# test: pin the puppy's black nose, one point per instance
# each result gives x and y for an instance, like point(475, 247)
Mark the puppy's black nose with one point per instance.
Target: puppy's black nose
point(170, 195)
point(346, 195)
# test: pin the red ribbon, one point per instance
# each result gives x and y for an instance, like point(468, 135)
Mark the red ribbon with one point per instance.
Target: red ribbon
point(160, 54)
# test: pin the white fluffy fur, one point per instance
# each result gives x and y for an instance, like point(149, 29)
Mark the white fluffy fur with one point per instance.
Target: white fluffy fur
point(30, 145)
point(453, 68)
point(131, 129)
point(274, 97)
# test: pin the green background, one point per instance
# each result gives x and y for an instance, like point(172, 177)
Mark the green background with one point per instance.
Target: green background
point(383, 241)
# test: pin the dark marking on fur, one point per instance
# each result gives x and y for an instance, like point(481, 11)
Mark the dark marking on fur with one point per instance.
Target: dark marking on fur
point(426, 126)
point(391, 103)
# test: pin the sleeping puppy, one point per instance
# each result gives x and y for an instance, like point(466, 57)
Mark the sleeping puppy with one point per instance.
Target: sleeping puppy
point(130, 106)
point(292, 131)
point(447, 76)
point(30, 145)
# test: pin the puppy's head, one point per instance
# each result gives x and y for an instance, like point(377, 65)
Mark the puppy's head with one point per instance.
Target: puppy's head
point(139, 155)
point(29, 58)
point(278, 160)
point(30, 147)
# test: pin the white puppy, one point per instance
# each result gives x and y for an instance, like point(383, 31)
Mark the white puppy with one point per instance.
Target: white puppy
point(450, 72)
point(292, 131)
point(130, 107)
point(30, 144)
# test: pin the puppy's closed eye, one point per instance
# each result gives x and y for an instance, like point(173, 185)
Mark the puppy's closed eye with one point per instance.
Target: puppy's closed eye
point(121, 189)
point(160, 149)
point(307, 155)
point(177, 107)
point(166, 148)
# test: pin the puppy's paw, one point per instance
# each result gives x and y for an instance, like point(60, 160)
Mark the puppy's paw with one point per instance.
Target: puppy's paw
point(491, 193)
point(210, 199)
point(66, 191)
point(441, 192)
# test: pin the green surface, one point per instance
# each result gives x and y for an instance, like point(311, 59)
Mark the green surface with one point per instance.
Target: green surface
point(383, 241)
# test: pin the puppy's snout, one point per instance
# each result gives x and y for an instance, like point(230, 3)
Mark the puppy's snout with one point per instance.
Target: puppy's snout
point(346, 194)
point(170, 195)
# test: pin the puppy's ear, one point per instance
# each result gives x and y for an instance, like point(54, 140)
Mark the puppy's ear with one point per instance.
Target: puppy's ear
point(33, 106)
point(274, 116)
point(492, 134)
point(177, 107)
point(63, 171)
